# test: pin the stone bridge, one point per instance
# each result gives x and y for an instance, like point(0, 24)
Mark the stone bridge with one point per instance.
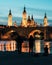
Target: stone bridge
point(26, 31)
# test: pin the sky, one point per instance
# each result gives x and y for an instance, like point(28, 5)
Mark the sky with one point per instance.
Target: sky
point(35, 7)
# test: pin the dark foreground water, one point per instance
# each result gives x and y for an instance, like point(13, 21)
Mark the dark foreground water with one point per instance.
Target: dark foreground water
point(24, 59)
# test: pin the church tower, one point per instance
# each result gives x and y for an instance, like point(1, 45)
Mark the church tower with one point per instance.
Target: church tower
point(24, 18)
point(10, 18)
point(45, 25)
point(15, 24)
point(45, 20)
point(32, 21)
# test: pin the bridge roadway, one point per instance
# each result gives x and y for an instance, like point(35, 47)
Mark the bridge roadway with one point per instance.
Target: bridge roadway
point(26, 31)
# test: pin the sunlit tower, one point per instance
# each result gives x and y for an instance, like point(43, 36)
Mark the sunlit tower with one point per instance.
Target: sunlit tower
point(32, 21)
point(24, 18)
point(10, 18)
point(45, 20)
point(45, 25)
point(15, 24)
point(29, 21)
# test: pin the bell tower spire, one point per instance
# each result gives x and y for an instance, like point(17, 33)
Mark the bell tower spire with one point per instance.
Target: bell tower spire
point(10, 12)
point(45, 20)
point(32, 17)
point(24, 10)
point(24, 18)
point(10, 18)
point(45, 16)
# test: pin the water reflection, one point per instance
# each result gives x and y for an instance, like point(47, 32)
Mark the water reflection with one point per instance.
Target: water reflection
point(38, 46)
point(25, 46)
point(8, 45)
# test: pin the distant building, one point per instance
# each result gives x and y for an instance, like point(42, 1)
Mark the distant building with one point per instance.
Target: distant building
point(31, 22)
point(15, 24)
point(27, 22)
point(24, 18)
point(45, 20)
point(10, 18)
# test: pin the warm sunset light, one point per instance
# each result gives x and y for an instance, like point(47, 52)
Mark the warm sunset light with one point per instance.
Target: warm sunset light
point(37, 46)
point(25, 46)
point(25, 32)
point(48, 44)
point(8, 46)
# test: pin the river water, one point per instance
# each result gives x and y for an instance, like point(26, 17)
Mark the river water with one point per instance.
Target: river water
point(38, 46)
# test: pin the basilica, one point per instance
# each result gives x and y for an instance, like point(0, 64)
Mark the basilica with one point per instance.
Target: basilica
point(28, 27)
point(26, 21)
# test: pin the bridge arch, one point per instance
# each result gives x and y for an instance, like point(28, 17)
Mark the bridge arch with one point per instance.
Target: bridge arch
point(34, 31)
point(10, 34)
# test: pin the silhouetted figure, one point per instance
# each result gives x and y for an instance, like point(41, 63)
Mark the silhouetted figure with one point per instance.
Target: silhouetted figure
point(4, 47)
point(31, 42)
point(46, 50)
point(19, 43)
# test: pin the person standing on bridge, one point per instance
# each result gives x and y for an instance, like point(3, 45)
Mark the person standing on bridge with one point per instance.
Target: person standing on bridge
point(31, 43)
point(19, 41)
point(46, 50)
